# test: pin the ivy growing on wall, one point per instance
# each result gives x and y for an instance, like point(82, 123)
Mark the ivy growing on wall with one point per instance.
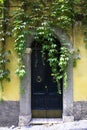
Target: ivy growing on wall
point(38, 18)
point(4, 33)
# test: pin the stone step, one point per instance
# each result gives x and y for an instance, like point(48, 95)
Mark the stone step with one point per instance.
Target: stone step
point(46, 121)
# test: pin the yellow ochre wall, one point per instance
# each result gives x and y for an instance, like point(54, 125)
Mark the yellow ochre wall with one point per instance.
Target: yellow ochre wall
point(80, 71)
point(11, 89)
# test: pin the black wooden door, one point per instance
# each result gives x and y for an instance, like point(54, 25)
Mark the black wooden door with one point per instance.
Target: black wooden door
point(46, 102)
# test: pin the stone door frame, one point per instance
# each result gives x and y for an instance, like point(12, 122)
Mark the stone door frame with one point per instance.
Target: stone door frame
point(25, 99)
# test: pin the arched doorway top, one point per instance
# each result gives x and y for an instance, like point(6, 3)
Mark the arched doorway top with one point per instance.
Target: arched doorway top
point(62, 37)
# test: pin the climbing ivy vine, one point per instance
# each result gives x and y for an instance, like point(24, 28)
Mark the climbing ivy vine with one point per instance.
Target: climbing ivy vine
point(56, 56)
point(38, 18)
point(4, 53)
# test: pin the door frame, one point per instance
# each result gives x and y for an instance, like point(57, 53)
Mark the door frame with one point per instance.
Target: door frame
point(25, 99)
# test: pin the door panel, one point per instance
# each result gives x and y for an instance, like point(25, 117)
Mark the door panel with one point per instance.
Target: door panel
point(46, 113)
point(46, 102)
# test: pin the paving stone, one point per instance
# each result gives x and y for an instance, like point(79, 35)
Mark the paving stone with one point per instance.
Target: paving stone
point(76, 125)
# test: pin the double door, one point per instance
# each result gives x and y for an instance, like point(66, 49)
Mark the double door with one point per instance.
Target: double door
point(46, 102)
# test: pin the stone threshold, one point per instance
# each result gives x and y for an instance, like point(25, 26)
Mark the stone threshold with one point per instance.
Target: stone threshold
point(46, 121)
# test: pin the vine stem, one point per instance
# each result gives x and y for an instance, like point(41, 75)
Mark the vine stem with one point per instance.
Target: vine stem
point(1, 90)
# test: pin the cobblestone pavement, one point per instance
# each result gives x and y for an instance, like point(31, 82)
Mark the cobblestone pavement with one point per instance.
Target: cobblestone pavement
point(76, 125)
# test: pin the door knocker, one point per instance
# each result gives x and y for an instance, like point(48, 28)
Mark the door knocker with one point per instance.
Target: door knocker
point(39, 79)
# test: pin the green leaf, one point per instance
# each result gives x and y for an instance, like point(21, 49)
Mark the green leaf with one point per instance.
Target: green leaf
point(1, 1)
